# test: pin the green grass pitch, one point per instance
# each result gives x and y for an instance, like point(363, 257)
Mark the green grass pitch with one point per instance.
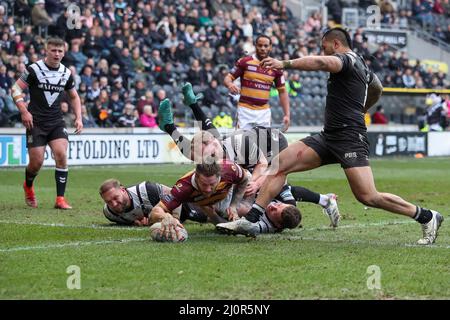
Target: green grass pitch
point(313, 262)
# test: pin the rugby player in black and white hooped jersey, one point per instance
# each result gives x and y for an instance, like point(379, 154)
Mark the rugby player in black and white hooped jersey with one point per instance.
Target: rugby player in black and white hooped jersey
point(132, 205)
point(352, 89)
point(46, 81)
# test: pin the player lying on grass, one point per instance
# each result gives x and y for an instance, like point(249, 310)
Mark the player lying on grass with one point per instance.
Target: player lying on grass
point(132, 205)
point(252, 149)
point(215, 188)
point(275, 219)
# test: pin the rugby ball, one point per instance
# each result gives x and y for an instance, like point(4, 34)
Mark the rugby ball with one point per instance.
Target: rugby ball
point(156, 234)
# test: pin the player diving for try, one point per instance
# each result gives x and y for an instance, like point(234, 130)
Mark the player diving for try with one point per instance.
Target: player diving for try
point(253, 149)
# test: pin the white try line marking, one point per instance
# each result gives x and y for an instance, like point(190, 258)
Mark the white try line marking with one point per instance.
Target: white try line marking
point(62, 225)
point(283, 236)
point(356, 242)
point(100, 227)
point(72, 244)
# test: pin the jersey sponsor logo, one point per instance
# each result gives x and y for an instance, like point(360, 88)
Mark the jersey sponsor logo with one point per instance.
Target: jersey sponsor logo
point(262, 86)
point(51, 82)
point(350, 155)
point(252, 68)
point(178, 187)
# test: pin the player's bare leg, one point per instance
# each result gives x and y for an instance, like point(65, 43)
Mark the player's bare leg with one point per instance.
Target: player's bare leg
point(295, 158)
point(36, 155)
point(59, 149)
point(363, 187)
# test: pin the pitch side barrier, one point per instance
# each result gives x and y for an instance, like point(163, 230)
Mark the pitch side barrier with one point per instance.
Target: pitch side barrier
point(151, 146)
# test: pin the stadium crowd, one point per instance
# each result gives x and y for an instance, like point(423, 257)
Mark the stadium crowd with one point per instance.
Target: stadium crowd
point(127, 56)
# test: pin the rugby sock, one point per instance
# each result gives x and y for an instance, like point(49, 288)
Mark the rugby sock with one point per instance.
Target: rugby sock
point(183, 143)
point(323, 200)
point(29, 178)
point(170, 128)
point(305, 195)
point(61, 180)
point(423, 215)
point(255, 212)
point(206, 122)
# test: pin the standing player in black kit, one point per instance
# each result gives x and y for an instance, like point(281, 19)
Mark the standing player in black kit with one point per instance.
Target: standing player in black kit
point(42, 117)
point(352, 89)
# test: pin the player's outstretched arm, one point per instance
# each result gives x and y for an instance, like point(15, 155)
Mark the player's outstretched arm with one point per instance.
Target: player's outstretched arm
point(310, 63)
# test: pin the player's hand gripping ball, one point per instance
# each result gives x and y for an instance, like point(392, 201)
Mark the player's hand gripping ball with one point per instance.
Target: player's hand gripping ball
point(169, 230)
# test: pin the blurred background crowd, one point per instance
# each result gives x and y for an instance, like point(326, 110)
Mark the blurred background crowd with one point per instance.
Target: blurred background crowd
point(127, 56)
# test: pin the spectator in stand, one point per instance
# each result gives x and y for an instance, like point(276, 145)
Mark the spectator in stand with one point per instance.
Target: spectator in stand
point(147, 99)
point(86, 76)
point(397, 79)
point(335, 10)
point(212, 96)
point(68, 116)
point(223, 120)
point(167, 76)
point(5, 81)
point(446, 6)
point(76, 55)
point(408, 79)
point(87, 118)
point(129, 118)
point(39, 15)
point(438, 8)
point(114, 74)
point(196, 74)
point(139, 90)
point(115, 106)
point(160, 96)
point(379, 117)
point(148, 117)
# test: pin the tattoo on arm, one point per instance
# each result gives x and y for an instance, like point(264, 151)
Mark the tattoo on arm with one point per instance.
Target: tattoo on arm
point(239, 190)
point(373, 93)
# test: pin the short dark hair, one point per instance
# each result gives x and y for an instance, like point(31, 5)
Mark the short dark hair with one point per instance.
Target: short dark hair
point(208, 169)
point(340, 34)
point(290, 217)
point(54, 41)
point(263, 36)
